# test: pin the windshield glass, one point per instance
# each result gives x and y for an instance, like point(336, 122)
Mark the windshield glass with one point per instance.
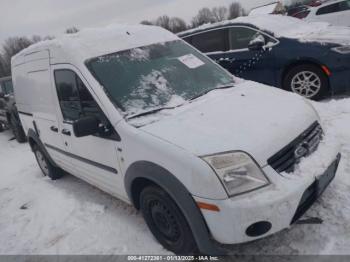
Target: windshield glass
point(156, 76)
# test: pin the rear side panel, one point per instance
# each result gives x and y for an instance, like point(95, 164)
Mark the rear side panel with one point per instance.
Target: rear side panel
point(35, 100)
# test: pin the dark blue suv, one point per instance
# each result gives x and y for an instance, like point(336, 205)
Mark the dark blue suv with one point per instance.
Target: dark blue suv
point(311, 59)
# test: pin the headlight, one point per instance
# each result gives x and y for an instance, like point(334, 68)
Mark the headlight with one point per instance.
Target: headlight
point(238, 172)
point(342, 49)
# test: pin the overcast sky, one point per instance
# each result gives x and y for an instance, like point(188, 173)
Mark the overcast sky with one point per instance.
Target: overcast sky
point(52, 17)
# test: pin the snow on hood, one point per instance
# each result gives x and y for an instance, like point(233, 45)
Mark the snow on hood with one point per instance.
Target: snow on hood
point(290, 27)
point(251, 117)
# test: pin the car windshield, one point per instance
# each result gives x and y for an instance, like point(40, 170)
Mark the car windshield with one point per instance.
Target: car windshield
point(157, 76)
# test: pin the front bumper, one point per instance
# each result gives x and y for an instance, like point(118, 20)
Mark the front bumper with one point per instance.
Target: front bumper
point(271, 209)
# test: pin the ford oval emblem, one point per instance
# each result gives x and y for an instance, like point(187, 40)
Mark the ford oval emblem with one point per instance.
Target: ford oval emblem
point(301, 150)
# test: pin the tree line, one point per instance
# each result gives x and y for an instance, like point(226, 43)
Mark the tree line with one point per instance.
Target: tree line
point(204, 16)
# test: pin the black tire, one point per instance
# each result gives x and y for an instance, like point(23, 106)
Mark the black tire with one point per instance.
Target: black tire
point(322, 92)
point(17, 130)
point(166, 221)
point(1, 127)
point(45, 165)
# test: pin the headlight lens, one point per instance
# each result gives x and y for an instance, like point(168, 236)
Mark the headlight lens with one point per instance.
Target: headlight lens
point(238, 172)
point(342, 49)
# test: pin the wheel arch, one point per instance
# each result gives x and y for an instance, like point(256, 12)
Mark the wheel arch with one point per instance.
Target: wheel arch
point(298, 62)
point(34, 140)
point(144, 173)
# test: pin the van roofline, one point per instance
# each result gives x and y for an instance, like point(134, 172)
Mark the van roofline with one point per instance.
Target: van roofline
point(94, 42)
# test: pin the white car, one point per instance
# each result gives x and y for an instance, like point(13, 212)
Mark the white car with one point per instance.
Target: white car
point(334, 12)
point(142, 115)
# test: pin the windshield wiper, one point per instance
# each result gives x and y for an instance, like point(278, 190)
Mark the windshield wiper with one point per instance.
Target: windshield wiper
point(152, 111)
point(208, 91)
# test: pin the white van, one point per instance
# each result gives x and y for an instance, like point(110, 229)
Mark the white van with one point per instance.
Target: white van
point(142, 115)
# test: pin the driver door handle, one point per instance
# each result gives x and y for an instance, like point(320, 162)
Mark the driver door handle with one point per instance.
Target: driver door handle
point(66, 132)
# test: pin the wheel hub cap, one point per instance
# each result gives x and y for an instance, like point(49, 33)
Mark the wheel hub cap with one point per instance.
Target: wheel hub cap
point(306, 83)
point(165, 221)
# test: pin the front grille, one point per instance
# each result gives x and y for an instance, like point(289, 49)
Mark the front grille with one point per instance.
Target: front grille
point(304, 145)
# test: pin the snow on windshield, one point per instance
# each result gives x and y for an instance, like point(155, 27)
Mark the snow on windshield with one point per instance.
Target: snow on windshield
point(151, 92)
point(139, 54)
point(156, 76)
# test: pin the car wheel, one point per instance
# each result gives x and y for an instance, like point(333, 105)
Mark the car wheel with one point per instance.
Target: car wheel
point(17, 130)
point(46, 167)
point(166, 221)
point(308, 81)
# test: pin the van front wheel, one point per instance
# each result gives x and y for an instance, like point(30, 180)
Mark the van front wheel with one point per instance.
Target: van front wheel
point(166, 221)
point(46, 167)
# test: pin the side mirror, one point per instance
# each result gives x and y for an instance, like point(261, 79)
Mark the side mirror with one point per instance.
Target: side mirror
point(86, 126)
point(2, 95)
point(257, 43)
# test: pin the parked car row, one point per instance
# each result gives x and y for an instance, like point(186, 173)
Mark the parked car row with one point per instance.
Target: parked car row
point(335, 12)
point(311, 60)
point(8, 112)
point(141, 114)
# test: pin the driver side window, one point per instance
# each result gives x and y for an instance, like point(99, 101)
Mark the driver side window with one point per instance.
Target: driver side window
point(240, 37)
point(74, 98)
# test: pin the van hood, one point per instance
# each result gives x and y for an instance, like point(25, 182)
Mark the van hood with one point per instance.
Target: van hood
point(250, 117)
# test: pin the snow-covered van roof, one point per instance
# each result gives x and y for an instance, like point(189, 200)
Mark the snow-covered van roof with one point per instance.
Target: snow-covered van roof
point(285, 26)
point(93, 42)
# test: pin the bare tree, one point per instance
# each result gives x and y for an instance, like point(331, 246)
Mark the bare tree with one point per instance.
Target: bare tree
point(163, 21)
point(235, 10)
point(146, 22)
point(219, 13)
point(11, 47)
point(2, 67)
point(204, 16)
point(36, 38)
point(72, 30)
point(177, 25)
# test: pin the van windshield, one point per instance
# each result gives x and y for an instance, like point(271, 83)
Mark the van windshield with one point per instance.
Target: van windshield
point(157, 76)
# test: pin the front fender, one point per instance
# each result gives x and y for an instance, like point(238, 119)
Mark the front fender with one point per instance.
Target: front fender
point(168, 182)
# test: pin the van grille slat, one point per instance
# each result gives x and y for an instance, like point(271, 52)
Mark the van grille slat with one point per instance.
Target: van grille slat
point(304, 145)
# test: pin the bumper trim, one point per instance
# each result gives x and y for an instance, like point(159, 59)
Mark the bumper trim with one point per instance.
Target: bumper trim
point(316, 189)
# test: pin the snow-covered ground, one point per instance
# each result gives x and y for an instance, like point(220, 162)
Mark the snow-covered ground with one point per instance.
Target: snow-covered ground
point(68, 216)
